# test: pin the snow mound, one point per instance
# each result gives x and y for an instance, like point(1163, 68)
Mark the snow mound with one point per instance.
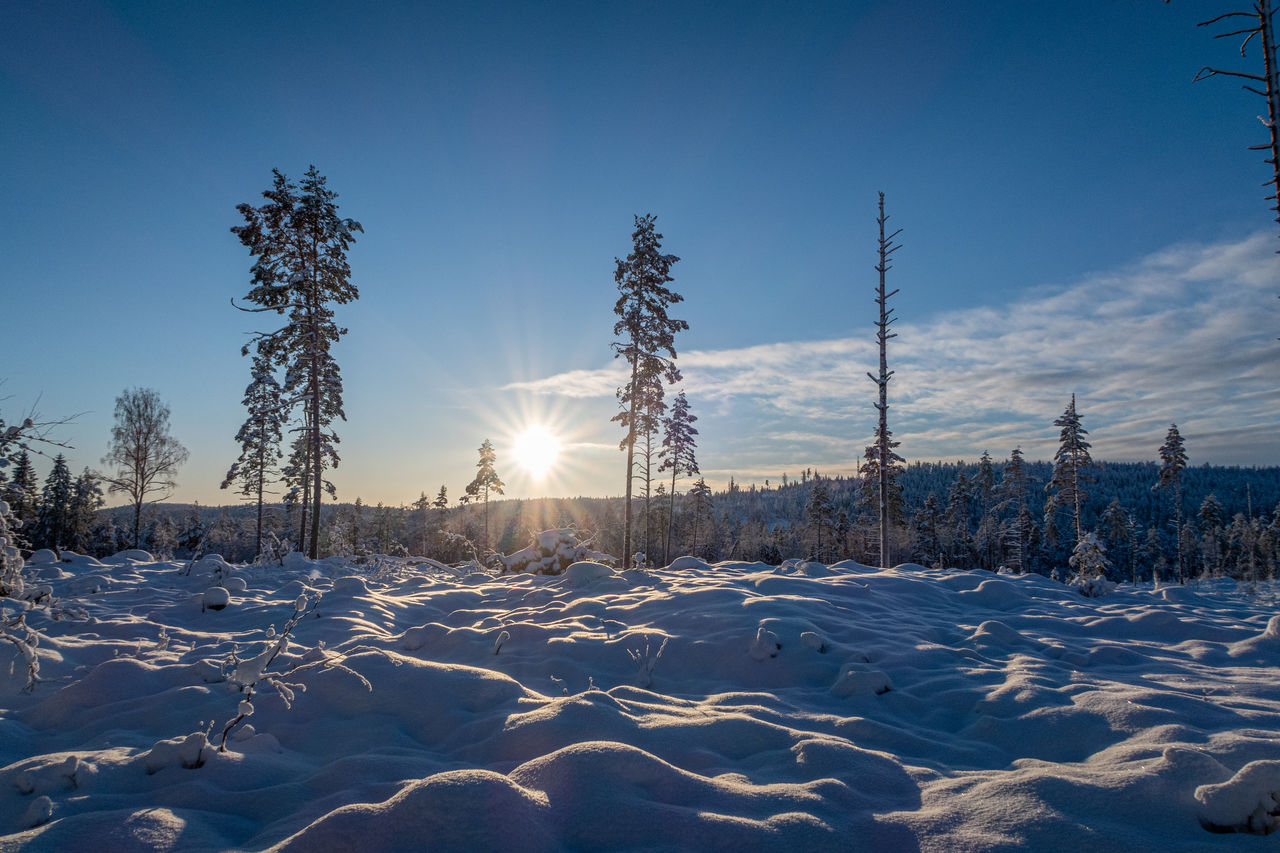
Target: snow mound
point(1247, 802)
point(551, 553)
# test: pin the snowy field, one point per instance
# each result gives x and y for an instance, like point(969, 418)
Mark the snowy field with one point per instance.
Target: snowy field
point(736, 707)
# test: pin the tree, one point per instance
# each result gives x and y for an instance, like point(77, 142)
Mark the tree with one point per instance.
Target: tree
point(1013, 495)
point(1213, 520)
point(486, 481)
point(146, 457)
point(884, 443)
point(1260, 20)
point(300, 248)
point(259, 439)
point(54, 525)
point(928, 548)
point(1069, 463)
point(700, 494)
point(1173, 458)
point(86, 500)
point(677, 455)
point(820, 512)
point(645, 332)
point(20, 492)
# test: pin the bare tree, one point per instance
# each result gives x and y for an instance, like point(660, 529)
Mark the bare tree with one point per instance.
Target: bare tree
point(1260, 27)
point(145, 456)
point(884, 454)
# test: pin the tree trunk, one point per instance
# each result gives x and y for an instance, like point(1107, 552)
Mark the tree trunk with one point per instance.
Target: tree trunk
point(631, 450)
point(137, 522)
point(671, 508)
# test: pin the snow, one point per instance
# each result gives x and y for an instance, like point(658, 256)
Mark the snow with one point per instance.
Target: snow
point(731, 706)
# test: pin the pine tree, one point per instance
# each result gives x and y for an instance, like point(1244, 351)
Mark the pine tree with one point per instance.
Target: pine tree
point(486, 481)
point(54, 523)
point(300, 246)
point(1213, 519)
point(700, 495)
point(678, 457)
point(86, 500)
point(22, 495)
point(957, 522)
point(1014, 483)
point(259, 439)
point(885, 457)
point(1173, 458)
point(927, 544)
point(1069, 464)
point(820, 512)
point(646, 332)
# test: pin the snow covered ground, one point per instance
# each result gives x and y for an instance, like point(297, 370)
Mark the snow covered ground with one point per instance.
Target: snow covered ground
point(729, 707)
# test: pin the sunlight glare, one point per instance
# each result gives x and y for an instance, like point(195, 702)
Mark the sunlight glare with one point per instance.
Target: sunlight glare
point(536, 450)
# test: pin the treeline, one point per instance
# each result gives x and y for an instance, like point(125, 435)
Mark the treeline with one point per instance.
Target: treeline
point(957, 515)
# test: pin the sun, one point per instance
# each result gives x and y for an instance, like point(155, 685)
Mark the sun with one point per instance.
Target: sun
point(536, 451)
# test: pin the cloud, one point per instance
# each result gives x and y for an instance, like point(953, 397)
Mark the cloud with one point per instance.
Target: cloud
point(1186, 335)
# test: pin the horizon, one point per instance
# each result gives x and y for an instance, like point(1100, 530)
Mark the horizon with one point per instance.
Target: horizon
point(496, 155)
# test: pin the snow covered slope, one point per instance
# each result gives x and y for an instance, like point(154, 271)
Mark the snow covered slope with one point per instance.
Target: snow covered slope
point(727, 707)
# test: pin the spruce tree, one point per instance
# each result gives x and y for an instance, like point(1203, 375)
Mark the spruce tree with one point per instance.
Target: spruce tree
point(300, 270)
point(1069, 464)
point(646, 340)
point(55, 521)
point(678, 457)
point(1173, 458)
point(700, 496)
point(885, 457)
point(259, 439)
point(1014, 483)
point(820, 512)
point(86, 500)
point(486, 481)
point(22, 495)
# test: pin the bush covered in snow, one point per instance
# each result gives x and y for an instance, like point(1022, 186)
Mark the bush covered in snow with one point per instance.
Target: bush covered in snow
point(551, 552)
point(1089, 562)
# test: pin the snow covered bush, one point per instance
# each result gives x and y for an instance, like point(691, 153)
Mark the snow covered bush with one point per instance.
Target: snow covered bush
point(551, 552)
point(248, 674)
point(1090, 564)
point(13, 625)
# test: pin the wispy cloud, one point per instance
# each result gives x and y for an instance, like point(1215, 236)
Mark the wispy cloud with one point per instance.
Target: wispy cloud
point(1185, 335)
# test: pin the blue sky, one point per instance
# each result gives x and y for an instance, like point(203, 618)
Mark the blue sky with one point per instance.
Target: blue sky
point(1078, 217)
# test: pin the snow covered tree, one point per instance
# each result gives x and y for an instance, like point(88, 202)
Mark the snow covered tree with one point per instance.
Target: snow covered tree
point(1173, 459)
point(1012, 491)
point(700, 495)
point(1089, 561)
point(146, 457)
point(1213, 520)
point(885, 457)
point(486, 481)
point(21, 492)
point(646, 340)
point(678, 457)
point(928, 546)
point(820, 512)
point(259, 439)
point(86, 500)
point(1069, 464)
point(300, 270)
point(54, 524)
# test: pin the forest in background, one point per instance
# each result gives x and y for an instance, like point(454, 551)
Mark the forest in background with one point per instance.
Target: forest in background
point(957, 515)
